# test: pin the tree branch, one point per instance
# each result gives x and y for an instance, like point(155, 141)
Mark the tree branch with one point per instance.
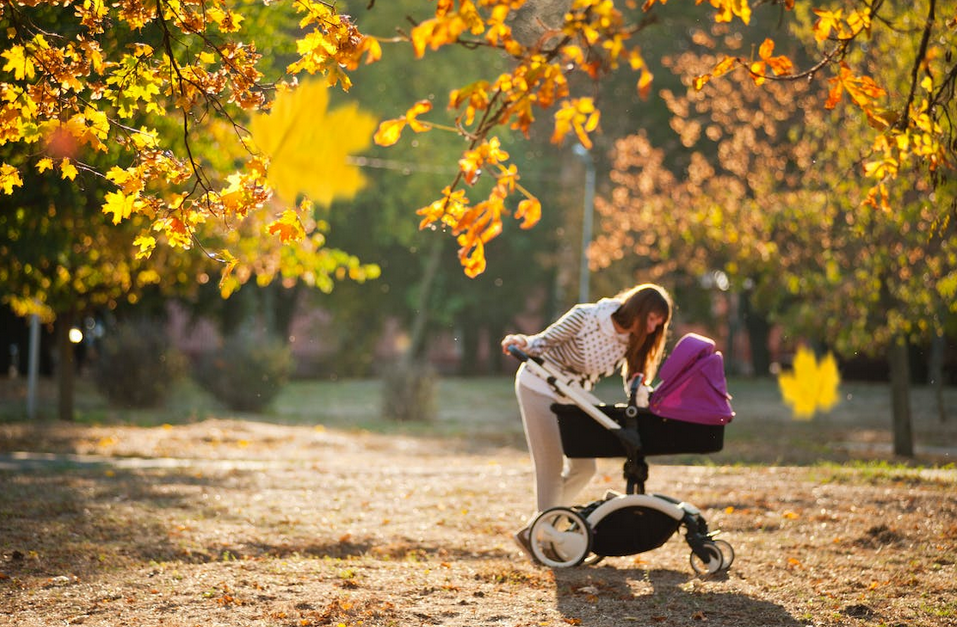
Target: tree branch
point(918, 62)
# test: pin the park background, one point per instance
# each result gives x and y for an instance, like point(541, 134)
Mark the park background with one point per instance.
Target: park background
point(264, 460)
point(756, 256)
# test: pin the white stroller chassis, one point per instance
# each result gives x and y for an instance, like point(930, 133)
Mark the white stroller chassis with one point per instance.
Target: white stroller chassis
point(634, 522)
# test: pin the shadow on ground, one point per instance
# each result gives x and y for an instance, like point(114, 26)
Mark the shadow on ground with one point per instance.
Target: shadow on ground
point(666, 597)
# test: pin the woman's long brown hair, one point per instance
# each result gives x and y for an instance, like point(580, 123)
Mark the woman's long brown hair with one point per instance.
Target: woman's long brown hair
point(644, 350)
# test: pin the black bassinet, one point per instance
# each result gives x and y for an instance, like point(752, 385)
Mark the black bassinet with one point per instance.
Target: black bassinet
point(582, 436)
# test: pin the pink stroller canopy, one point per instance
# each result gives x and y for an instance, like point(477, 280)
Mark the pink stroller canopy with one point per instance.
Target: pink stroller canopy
point(693, 386)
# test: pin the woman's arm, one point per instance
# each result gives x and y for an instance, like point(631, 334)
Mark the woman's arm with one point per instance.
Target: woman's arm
point(559, 332)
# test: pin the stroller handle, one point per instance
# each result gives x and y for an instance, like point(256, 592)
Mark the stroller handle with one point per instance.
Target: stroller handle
point(517, 353)
point(521, 355)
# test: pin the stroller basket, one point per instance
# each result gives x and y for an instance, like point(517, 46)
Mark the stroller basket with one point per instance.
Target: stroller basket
point(582, 436)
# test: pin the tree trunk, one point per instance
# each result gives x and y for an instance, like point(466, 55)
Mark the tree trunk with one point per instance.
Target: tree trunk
point(471, 333)
point(897, 357)
point(285, 305)
point(935, 373)
point(66, 367)
point(417, 343)
point(496, 333)
point(759, 330)
point(409, 386)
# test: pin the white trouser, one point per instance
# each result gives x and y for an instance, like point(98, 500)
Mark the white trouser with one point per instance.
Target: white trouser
point(557, 480)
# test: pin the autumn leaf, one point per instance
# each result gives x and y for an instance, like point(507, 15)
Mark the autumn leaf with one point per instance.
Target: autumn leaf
point(828, 22)
point(9, 178)
point(862, 90)
point(578, 115)
point(812, 386)
point(67, 170)
point(146, 244)
point(18, 62)
point(390, 130)
point(529, 212)
point(308, 145)
point(119, 205)
point(727, 10)
point(288, 227)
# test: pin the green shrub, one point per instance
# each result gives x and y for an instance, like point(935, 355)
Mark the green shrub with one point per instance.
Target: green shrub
point(135, 365)
point(247, 372)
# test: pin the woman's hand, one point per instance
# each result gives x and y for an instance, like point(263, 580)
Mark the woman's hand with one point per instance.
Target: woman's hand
point(517, 340)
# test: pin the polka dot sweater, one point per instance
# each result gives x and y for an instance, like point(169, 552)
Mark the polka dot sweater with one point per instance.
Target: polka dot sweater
point(583, 344)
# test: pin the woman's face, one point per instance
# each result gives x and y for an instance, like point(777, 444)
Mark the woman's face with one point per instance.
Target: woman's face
point(653, 321)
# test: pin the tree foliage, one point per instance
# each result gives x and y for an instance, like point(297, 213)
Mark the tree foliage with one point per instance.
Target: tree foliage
point(773, 190)
point(88, 79)
point(77, 77)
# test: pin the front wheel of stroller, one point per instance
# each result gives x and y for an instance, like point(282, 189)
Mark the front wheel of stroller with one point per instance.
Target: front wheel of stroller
point(727, 553)
point(714, 562)
point(560, 538)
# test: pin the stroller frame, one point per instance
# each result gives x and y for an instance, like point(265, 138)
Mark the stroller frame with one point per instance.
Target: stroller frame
point(618, 524)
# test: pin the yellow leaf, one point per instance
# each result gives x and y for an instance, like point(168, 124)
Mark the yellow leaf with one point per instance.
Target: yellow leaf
point(288, 227)
point(67, 170)
point(18, 62)
point(308, 146)
point(118, 204)
point(529, 212)
point(44, 164)
point(811, 386)
point(9, 178)
point(146, 243)
point(701, 81)
point(389, 132)
point(228, 283)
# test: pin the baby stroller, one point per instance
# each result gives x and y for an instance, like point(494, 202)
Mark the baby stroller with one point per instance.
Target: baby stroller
point(686, 413)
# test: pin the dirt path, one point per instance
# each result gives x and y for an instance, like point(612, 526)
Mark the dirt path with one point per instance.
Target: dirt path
point(242, 524)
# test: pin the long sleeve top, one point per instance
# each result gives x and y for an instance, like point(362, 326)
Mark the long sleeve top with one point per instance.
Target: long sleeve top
point(583, 344)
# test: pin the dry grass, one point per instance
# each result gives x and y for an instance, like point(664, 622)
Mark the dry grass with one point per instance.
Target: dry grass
point(255, 521)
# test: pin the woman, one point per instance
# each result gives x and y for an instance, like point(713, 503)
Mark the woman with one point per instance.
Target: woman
point(589, 342)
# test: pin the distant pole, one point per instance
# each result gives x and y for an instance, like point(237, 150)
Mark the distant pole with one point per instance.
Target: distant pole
point(588, 210)
point(33, 366)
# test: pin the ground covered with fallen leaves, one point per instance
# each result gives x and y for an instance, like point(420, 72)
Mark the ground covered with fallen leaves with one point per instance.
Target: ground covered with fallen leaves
point(242, 523)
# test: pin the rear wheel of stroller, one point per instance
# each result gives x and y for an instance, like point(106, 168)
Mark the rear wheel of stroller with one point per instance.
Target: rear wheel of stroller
point(727, 553)
point(714, 562)
point(560, 538)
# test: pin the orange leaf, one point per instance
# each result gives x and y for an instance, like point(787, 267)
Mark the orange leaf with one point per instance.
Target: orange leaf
point(835, 94)
point(389, 132)
point(724, 66)
point(529, 212)
point(781, 65)
point(757, 72)
point(288, 227)
point(473, 262)
point(644, 84)
point(422, 106)
point(827, 21)
point(701, 81)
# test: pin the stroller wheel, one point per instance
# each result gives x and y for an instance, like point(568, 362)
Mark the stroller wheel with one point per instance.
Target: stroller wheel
point(560, 538)
point(713, 564)
point(592, 559)
point(727, 553)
